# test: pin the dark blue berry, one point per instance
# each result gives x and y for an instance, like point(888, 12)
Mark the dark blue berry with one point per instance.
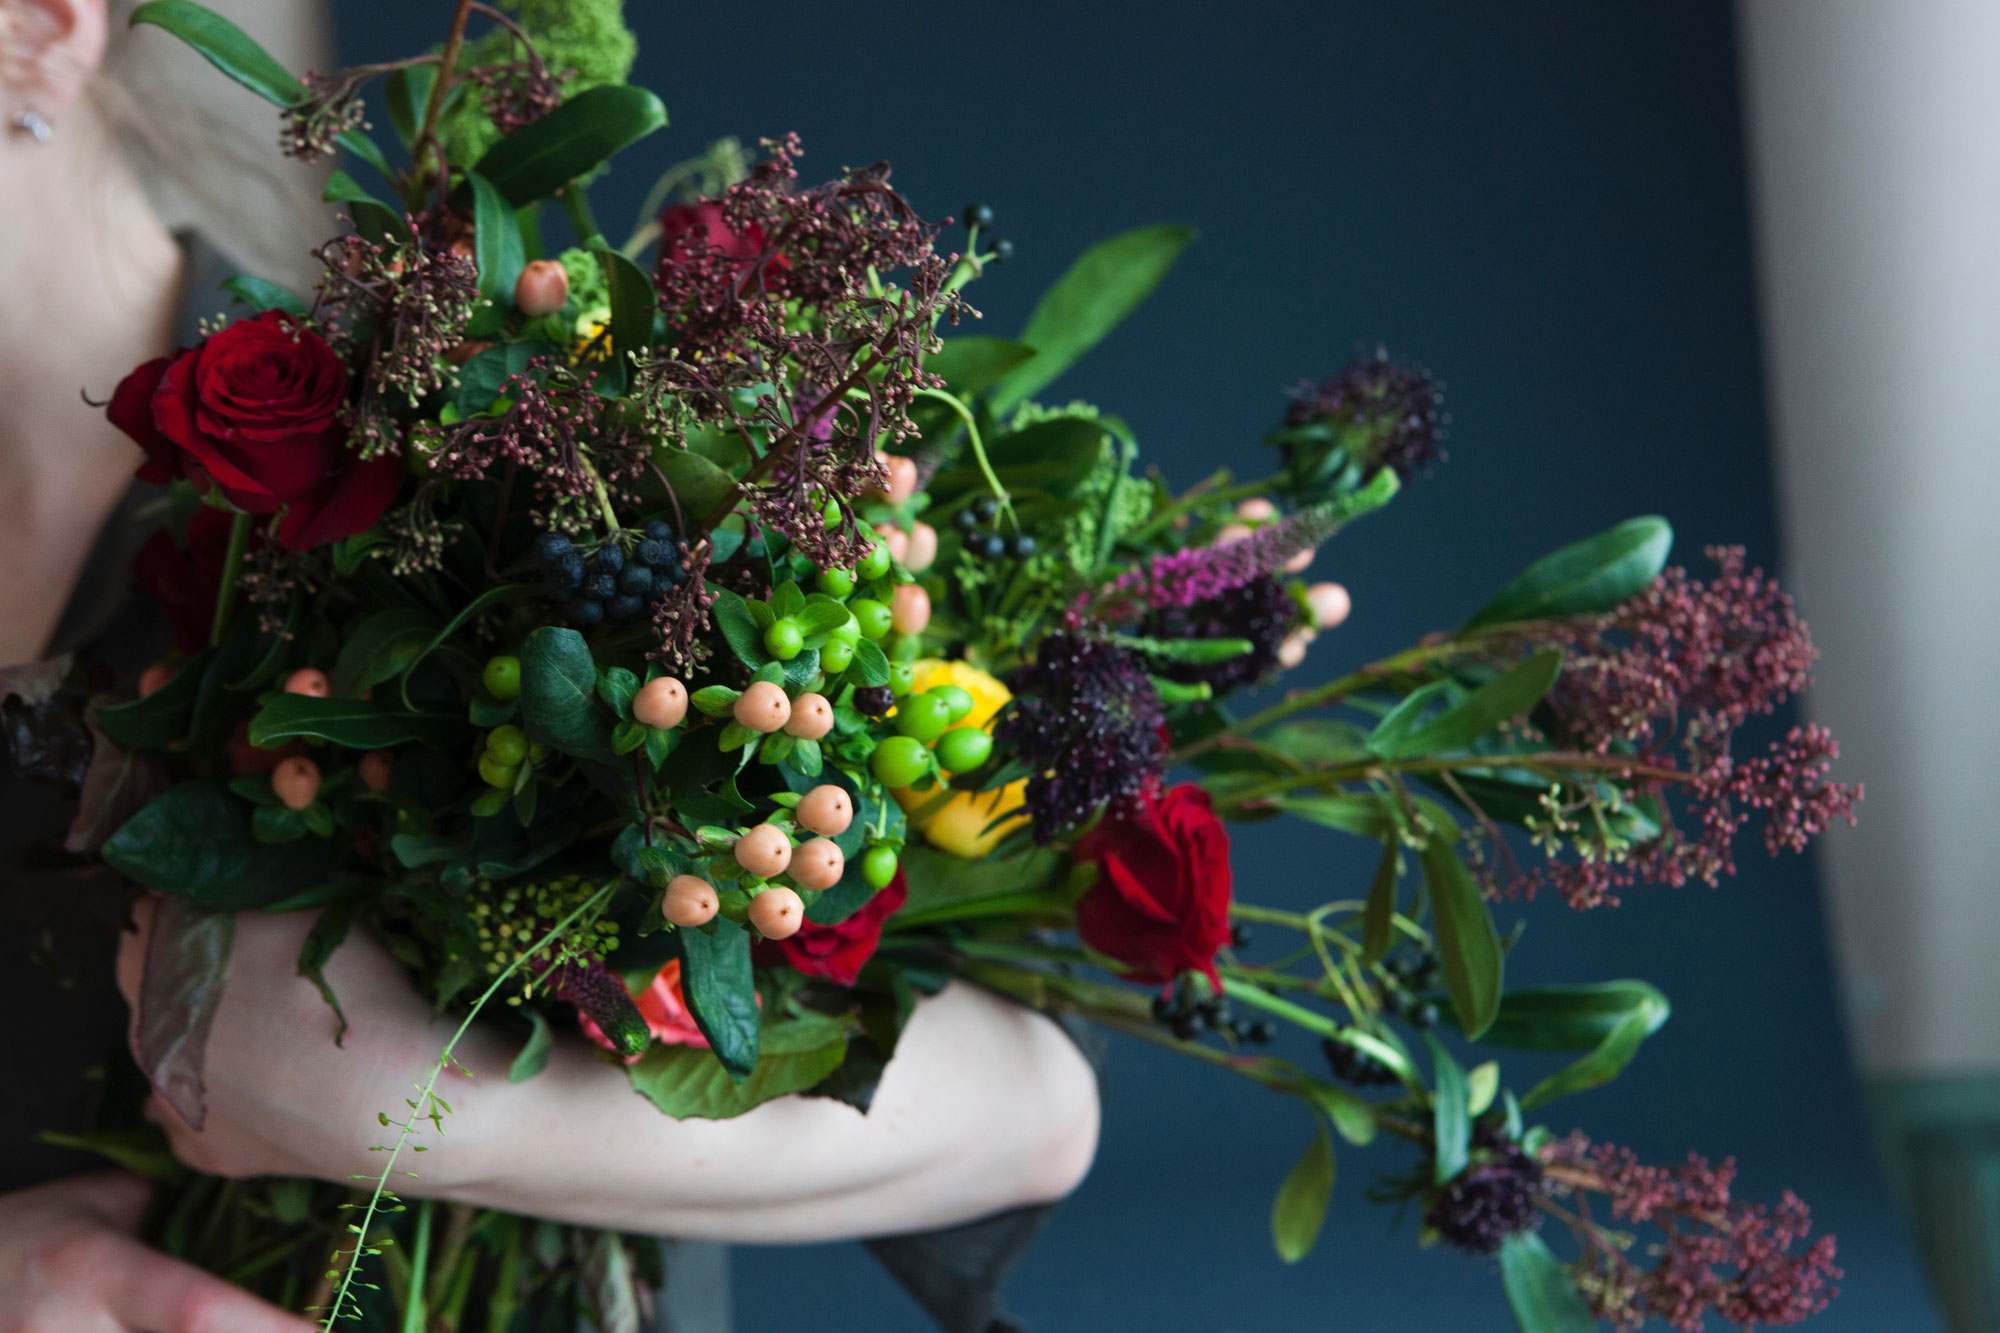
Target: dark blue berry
point(551, 547)
point(1024, 546)
point(985, 507)
point(659, 532)
point(563, 582)
point(586, 611)
point(608, 559)
point(1003, 250)
point(966, 520)
point(637, 580)
point(654, 552)
point(623, 607)
point(874, 700)
point(992, 546)
point(604, 585)
point(978, 215)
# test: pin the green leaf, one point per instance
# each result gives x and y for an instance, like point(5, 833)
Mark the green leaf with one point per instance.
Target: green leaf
point(721, 993)
point(559, 694)
point(263, 294)
point(1406, 716)
point(356, 723)
point(1583, 578)
point(698, 484)
point(715, 700)
point(537, 160)
point(632, 303)
point(1573, 1018)
point(1597, 1068)
point(194, 842)
point(325, 936)
point(1351, 1116)
point(496, 239)
point(616, 687)
point(1101, 288)
point(161, 718)
point(381, 647)
point(143, 1151)
point(479, 605)
point(1539, 1290)
point(687, 1082)
point(1482, 1083)
point(1317, 741)
point(1364, 815)
point(1300, 1208)
point(870, 665)
point(970, 365)
point(534, 1056)
point(1195, 652)
point(1451, 1120)
point(1467, 945)
point(1378, 927)
point(407, 92)
point(1506, 696)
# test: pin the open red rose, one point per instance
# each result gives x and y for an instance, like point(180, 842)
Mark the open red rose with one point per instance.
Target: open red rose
point(255, 410)
point(1161, 901)
point(184, 581)
point(686, 228)
point(837, 952)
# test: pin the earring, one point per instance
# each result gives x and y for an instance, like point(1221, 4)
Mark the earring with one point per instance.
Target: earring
point(31, 123)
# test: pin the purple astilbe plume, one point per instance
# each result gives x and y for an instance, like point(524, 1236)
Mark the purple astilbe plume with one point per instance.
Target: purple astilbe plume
point(1383, 413)
point(1087, 721)
point(601, 997)
point(1491, 1199)
point(1719, 1257)
point(1201, 574)
point(1261, 611)
point(1665, 680)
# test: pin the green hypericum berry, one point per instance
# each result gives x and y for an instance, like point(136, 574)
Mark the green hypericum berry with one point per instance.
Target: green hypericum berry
point(901, 677)
point(963, 749)
point(848, 631)
point(831, 514)
point(834, 655)
point(873, 617)
point(495, 774)
point(878, 867)
point(957, 697)
point(898, 761)
point(875, 564)
point(834, 582)
point(507, 746)
point(923, 717)
point(783, 640)
point(502, 677)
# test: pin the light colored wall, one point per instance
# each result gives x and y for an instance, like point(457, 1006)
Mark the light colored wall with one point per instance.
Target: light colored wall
point(1874, 138)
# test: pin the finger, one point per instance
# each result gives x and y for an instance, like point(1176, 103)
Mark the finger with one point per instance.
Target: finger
point(118, 1198)
point(160, 1295)
point(132, 949)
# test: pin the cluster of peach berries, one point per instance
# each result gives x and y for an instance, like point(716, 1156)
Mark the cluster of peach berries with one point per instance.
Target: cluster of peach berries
point(766, 852)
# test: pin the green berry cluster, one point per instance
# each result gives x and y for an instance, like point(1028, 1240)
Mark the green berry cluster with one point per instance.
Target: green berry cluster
point(510, 918)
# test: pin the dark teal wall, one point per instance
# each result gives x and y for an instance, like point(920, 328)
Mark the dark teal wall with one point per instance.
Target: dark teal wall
point(1545, 203)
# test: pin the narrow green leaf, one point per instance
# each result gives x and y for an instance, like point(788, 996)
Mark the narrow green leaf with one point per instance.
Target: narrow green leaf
point(632, 303)
point(225, 46)
point(1482, 1083)
point(263, 294)
point(1378, 928)
point(356, 723)
point(1351, 1116)
point(720, 991)
point(406, 92)
point(1506, 696)
point(380, 647)
point(1366, 815)
point(1585, 577)
point(1101, 288)
point(1468, 946)
point(326, 935)
point(1597, 1068)
point(1574, 1018)
point(537, 160)
point(1299, 1211)
point(1539, 1290)
point(972, 365)
point(1407, 716)
point(1451, 1121)
point(496, 239)
point(534, 1056)
point(143, 1151)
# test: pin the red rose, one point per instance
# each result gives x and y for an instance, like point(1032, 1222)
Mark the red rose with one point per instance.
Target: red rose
point(1161, 901)
point(837, 952)
point(256, 410)
point(688, 227)
point(184, 581)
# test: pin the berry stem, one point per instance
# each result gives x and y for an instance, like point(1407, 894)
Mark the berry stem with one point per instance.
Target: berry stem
point(978, 449)
point(232, 567)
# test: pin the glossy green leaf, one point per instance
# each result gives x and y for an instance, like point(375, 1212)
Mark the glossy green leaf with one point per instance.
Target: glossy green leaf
point(1539, 1290)
point(632, 302)
point(263, 294)
point(194, 842)
point(689, 1083)
point(1451, 1120)
point(537, 160)
point(559, 705)
point(356, 723)
point(1506, 696)
point(617, 687)
point(870, 665)
point(1378, 928)
point(1407, 716)
point(1468, 948)
point(1104, 285)
point(161, 718)
point(739, 628)
point(534, 1056)
point(972, 365)
point(1585, 577)
point(698, 484)
point(478, 606)
point(380, 647)
point(1317, 741)
point(1299, 1211)
point(1597, 1068)
point(1350, 1115)
point(1573, 1018)
point(407, 92)
point(496, 239)
point(721, 993)
point(1364, 814)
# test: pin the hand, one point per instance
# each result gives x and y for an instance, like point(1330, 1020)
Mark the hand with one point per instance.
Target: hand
point(69, 1264)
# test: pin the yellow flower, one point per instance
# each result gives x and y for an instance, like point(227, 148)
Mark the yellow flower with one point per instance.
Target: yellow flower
point(959, 825)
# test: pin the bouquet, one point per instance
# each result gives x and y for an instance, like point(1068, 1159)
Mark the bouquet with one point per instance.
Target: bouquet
point(704, 646)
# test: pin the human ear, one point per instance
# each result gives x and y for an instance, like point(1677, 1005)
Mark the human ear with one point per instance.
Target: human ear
point(49, 49)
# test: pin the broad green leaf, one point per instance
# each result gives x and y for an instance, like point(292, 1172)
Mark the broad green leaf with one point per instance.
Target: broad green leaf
point(1539, 1290)
point(1407, 716)
point(1596, 1069)
point(616, 687)
point(1482, 1084)
point(1506, 696)
point(1451, 1119)
point(739, 628)
point(1101, 288)
point(559, 704)
point(381, 647)
point(263, 294)
point(534, 1056)
point(972, 365)
point(1300, 1208)
point(632, 302)
point(1584, 578)
point(537, 160)
point(194, 842)
point(1378, 925)
point(356, 723)
point(870, 665)
point(1351, 1116)
point(687, 1082)
point(720, 992)
point(161, 718)
point(1467, 945)
point(1573, 1018)
point(1365, 815)
point(698, 484)
point(496, 238)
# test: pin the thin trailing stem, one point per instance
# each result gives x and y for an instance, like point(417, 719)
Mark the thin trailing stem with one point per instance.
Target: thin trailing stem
point(964, 413)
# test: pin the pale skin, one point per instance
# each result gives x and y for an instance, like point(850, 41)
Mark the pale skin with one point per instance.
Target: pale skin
point(985, 1106)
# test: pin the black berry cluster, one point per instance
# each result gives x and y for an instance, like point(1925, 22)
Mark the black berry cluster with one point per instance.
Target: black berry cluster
point(983, 543)
point(1410, 977)
point(1357, 1067)
point(607, 587)
point(1189, 1015)
point(979, 217)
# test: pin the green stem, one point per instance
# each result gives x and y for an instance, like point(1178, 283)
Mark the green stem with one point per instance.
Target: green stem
point(415, 1317)
point(232, 569)
point(1196, 498)
point(1331, 692)
point(578, 207)
point(952, 401)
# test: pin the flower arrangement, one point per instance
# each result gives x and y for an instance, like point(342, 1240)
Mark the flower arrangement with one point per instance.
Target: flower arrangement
point(702, 645)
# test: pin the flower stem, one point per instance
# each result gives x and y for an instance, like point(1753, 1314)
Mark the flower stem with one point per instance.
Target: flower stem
point(232, 567)
point(1197, 497)
point(415, 1317)
point(978, 449)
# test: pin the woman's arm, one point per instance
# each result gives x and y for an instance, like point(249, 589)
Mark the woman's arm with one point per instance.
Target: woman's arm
point(985, 1106)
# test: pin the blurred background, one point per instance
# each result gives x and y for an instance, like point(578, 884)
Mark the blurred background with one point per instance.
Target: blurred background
point(1552, 206)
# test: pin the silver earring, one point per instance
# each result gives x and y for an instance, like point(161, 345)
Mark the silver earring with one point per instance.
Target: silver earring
point(31, 122)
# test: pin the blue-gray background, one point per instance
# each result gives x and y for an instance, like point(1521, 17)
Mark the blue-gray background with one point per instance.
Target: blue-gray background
point(1545, 203)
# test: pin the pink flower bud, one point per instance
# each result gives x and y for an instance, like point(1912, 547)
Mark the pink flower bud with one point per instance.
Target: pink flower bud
point(1330, 604)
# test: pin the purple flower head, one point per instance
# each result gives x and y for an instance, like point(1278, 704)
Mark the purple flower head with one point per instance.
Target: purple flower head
point(1260, 610)
point(601, 997)
point(1374, 414)
point(1201, 574)
point(1087, 720)
point(1491, 1199)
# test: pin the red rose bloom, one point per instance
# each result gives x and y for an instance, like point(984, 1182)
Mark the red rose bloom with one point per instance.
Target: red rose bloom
point(837, 952)
point(1161, 901)
point(256, 411)
point(685, 228)
point(184, 582)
